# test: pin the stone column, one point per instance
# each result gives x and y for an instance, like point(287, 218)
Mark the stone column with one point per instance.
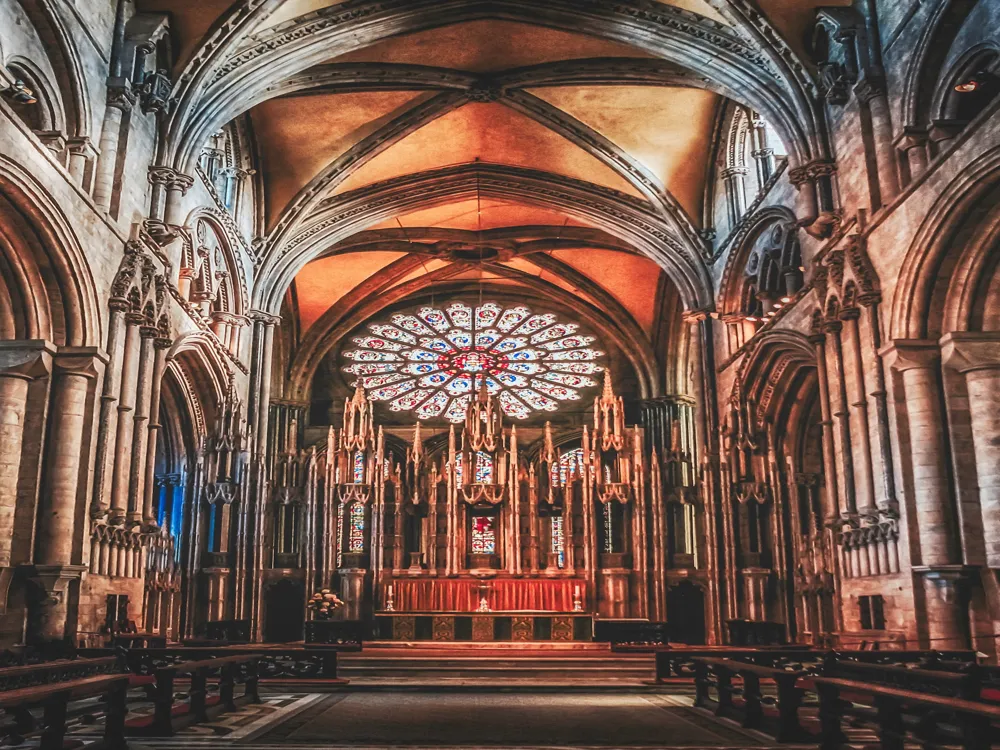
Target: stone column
point(838, 398)
point(913, 143)
point(54, 571)
point(126, 404)
point(830, 511)
point(176, 189)
point(977, 356)
point(120, 101)
point(108, 419)
point(140, 427)
point(736, 197)
point(919, 363)
point(879, 395)
point(160, 346)
point(864, 479)
point(14, 381)
point(872, 93)
point(82, 157)
point(762, 154)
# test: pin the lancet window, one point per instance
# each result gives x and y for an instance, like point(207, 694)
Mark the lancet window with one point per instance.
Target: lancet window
point(484, 540)
point(559, 540)
point(356, 537)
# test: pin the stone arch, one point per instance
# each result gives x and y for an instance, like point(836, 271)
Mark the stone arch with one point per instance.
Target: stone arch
point(761, 272)
point(46, 114)
point(939, 287)
point(48, 288)
point(197, 365)
point(227, 70)
point(631, 220)
point(978, 65)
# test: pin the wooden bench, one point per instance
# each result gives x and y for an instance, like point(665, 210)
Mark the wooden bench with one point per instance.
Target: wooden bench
point(784, 723)
point(168, 717)
point(679, 662)
point(55, 698)
point(935, 721)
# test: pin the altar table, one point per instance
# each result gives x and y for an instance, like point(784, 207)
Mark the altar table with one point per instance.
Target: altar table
point(487, 626)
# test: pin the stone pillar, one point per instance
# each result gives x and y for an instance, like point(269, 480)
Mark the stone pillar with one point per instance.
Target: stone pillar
point(830, 511)
point(838, 399)
point(879, 395)
point(140, 427)
point(919, 363)
point(160, 346)
point(762, 154)
point(54, 571)
point(82, 157)
point(176, 189)
point(120, 101)
point(864, 479)
point(108, 419)
point(126, 404)
point(977, 356)
point(872, 92)
point(736, 197)
point(913, 143)
point(14, 383)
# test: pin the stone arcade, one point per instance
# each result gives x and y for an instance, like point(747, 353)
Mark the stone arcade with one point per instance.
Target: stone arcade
point(501, 320)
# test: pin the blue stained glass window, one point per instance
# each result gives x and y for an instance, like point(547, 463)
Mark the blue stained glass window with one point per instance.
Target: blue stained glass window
point(356, 540)
point(359, 467)
point(484, 468)
point(570, 464)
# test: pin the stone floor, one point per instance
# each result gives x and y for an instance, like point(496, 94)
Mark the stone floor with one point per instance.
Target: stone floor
point(455, 719)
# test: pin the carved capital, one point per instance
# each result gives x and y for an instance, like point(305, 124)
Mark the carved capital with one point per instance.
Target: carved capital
point(170, 178)
point(911, 354)
point(965, 352)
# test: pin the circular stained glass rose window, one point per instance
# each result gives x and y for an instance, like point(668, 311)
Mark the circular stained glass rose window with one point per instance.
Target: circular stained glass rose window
point(431, 361)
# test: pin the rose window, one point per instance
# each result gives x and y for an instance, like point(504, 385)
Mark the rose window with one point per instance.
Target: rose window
point(432, 361)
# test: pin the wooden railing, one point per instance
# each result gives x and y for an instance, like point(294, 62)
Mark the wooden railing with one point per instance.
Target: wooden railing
point(274, 663)
point(225, 671)
point(55, 699)
point(935, 721)
point(60, 670)
point(719, 673)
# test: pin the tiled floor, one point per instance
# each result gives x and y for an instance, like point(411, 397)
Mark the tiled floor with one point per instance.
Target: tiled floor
point(453, 719)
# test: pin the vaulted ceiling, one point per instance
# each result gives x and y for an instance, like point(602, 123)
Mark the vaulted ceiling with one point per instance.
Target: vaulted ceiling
point(499, 96)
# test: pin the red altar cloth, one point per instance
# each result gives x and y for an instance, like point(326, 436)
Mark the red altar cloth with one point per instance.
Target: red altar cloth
point(462, 595)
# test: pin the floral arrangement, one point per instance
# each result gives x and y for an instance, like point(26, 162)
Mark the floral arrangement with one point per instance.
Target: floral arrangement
point(323, 604)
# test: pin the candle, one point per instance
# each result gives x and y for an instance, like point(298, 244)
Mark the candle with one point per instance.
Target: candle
point(390, 591)
point(576, 591)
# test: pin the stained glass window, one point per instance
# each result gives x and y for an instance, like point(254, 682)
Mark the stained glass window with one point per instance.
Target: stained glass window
point(458, 467)
point(609, 527)
point(484, 468)
point(570, 465)
point(558, 541)
point(356, 540)
point(340, 534)
point(430, 361)
point(484, 539)
point(359, 467)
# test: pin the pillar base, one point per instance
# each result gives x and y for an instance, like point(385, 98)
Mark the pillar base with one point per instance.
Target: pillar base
point(53, 582)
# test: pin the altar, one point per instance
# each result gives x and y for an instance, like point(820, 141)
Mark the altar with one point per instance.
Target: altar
point(484, 626)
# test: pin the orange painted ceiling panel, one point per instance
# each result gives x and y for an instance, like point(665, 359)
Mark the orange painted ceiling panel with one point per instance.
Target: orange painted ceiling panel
point(489, 133)
point(323, 282)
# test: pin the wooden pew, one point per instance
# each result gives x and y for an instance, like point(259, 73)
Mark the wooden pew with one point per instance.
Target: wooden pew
point(719, 673)
point(55, 698)
point(935, 721)
point(168, 717)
